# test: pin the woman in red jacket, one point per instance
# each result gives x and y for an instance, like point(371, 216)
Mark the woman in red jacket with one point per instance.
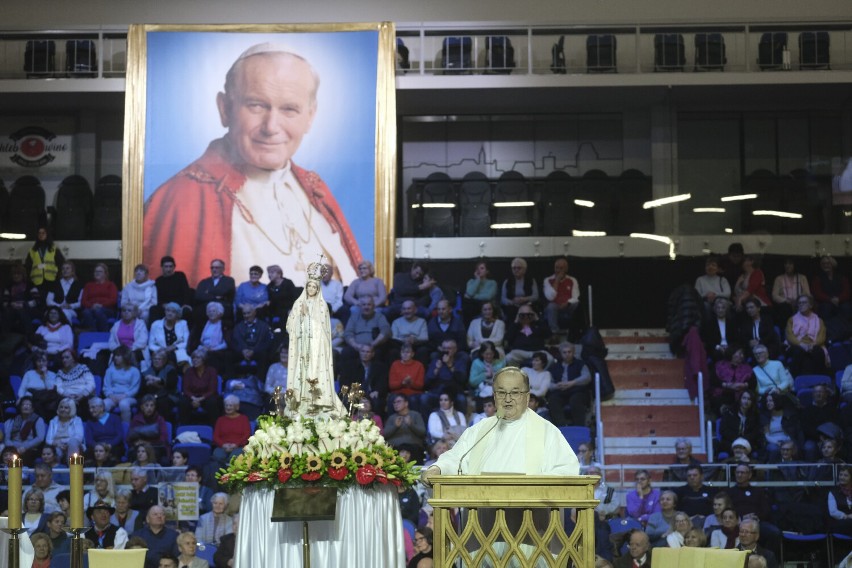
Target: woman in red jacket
point(100, 297)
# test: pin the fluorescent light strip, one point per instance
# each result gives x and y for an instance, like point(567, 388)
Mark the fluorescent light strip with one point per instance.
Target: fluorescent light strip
point(770, 213)
point(438, 205)
point(708, 209)
point(511, 226)
point(729, 230)
point(514, 204)
point(584, 203)
point(742, 197)
point(666, 200)
point(13, 236)
point(659, 239)
point(578, 233)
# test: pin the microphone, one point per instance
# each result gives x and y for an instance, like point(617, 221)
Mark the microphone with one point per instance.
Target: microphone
point(500, 414)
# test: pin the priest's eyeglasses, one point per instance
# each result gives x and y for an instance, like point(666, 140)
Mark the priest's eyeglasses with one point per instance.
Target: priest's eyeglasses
point(509, 394)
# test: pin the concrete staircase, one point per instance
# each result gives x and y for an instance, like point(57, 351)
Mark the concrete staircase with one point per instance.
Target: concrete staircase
point(651, 408)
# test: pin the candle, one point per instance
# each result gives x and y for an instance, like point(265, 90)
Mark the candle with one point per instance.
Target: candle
point(15, 477)
point(75, 464)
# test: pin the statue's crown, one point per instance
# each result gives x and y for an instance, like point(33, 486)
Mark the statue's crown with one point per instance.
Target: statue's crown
point(316, 271)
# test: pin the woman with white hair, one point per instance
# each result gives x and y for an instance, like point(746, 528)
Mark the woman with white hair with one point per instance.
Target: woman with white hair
point(367, 284)
point(130, 330)
point(231, 432)
point(104, 490)
point(214, 525)
point(170, 334)
point(213, 336)
point(188, 547)
point(65, 431)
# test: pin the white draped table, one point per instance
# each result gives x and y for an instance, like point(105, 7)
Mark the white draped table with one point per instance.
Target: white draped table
point(366, 533)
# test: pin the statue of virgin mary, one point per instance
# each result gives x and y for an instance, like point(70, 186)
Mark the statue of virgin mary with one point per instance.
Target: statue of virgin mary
point(310, 370)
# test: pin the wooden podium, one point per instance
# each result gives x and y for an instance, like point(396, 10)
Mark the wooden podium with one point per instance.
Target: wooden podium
point(513, 521)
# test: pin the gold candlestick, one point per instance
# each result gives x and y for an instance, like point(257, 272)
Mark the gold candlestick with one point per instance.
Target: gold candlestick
point(75, 465)
point(15, 483)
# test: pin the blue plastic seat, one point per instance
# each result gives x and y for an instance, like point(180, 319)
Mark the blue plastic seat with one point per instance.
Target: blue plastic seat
point(810, 381)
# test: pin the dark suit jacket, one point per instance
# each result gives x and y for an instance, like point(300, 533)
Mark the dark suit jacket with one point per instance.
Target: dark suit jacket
point(711, 337)
point(223, 291)
point(625, 561)
point(376, 378)
point(766, 334)
point(225, 551)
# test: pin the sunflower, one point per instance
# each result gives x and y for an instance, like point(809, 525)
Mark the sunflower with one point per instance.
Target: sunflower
point(313, 463)
point(360, 458)
point(286, 460)
point(379, 461)
point(337, 459)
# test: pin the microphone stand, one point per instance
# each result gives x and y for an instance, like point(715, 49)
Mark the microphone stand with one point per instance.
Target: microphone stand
point(470, 449)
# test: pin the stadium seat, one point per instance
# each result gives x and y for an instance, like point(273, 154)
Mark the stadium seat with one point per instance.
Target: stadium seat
point(810, 381)
point(576, 435)
point(801, 539)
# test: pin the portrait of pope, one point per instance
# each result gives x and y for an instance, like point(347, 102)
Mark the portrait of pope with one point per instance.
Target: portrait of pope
point(246, 199)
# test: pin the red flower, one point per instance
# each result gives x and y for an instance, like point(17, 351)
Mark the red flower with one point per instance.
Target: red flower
point(224, 478)
point(381, 476)
point(366, 474)
point(396, 482)
point(254, 476)
point(284, 475)
point(338, 473)
point(311, 475)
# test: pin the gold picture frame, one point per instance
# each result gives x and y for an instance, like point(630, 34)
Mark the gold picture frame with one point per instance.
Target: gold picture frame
point(136, 121)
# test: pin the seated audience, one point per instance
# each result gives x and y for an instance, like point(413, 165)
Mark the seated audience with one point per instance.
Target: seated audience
point(332, 293)
point(214, 337)
point(170, 334)
point(643, 501)
point(819, 411)
point(695, 498)
point(751, 500)
point(159, 379)
point(539, 377)
point(188, 547)
point(42, 550)
point(125, 517)
point(214, 525)
point(54, 529)
point(806, 350)
point(65, 431)
point(103, 533)
point(103, 428)
point(682, 524)
point(252, 293)
point(683, 459)
point(638, 551)
point(66, 292)
point(103, 492)
point(366, 285)
point(740, 421)
point(172, 287)
point(159, 538)
point(216, 288)
point(750, 528)
point(407, 376)
point(140, 292)
point(478, 290)
point(562, 293)
point(831, 290)
point(447, 371)
point(518, 290)
point(758, 329)
point(101, 457)
point(422, 547)
point(405, 427)
point(74, 380)
point(446, 325)
point(733, 377)
point(695, 538)
point(719, 333)
point(33, 514)
point(39, 383)
point(750, 284)
point(224, 556)
point(410, 286)
point(786, 291)
point(446, 422)
point(721, 501)
point(251, 342)
point(571, 387)
point(727, 536)
point(412, 330)
point(487, 327)
point(276, 376)
point(149, 426)
point(840, 502)
point(55, 334)
point(99, 299)
point(231, 432)
point(661, 524)
point(711, 285)
point(367, 328)
point(370, 372)
point(122, 382)
point(247, 389)
point(20, 302)
point(365, 412)
point(484, 367)
point(780, 421)
point(199, 402)
point(770, 374)
point(525, 336)
point(130, 331)
point(282, 294)
point(25, 431)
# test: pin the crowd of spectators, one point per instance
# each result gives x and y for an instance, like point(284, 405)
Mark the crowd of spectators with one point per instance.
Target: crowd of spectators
point(212, 355)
